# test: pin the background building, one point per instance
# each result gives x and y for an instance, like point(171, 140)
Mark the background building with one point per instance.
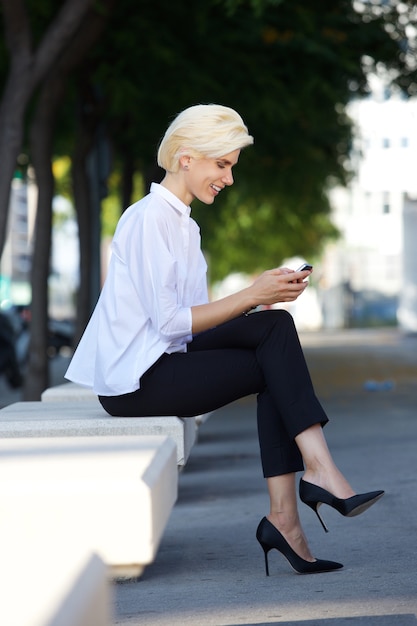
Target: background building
point(15, 266)
point(16, 261)
point(368, 277)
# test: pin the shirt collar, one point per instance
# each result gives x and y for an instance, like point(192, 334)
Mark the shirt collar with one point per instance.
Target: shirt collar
point(171, 198)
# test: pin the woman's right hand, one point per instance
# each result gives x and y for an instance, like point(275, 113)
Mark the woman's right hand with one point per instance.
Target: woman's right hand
point(279, 285)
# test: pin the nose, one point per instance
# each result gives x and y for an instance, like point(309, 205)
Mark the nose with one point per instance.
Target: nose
point(228, 178)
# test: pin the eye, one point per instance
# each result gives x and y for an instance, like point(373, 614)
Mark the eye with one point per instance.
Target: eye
point(221, 165)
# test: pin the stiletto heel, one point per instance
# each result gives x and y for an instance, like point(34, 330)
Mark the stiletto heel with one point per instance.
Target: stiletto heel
point(321, 520)
point(269, 537)
point(265, 549)
point(313, 496)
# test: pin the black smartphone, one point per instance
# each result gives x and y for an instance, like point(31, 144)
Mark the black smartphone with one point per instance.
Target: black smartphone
point(304, 266)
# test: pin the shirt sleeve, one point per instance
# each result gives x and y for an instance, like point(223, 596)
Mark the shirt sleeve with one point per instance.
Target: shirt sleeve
point(155, 272)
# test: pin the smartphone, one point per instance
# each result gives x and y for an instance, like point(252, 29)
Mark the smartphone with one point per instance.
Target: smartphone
point(304, 266)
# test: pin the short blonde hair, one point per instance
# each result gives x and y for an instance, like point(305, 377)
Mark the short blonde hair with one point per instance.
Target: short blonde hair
point(202, 131)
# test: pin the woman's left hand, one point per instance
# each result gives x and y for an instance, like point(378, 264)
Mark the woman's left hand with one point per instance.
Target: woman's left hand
point(279, 285)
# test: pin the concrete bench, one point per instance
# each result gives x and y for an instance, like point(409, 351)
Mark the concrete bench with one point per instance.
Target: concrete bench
point(108, 495)
point(72, 392)
point(53, 587)
point(86, 418)
point(68, 392)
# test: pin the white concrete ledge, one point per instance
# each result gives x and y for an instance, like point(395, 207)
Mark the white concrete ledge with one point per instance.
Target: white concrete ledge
point(68, 392)
point(70, 419)
point(53, 587)
point(72, 392)
point(108, 495)
point(200, 419)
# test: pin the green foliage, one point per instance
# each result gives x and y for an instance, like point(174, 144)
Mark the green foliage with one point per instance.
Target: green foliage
point(3, 52)
point(61, 168)
point(111, 205)
point(250, 235)
point(288, 67)
point(398, 21)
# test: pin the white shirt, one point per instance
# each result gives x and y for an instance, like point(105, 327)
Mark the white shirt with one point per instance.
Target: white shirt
point(157, 272)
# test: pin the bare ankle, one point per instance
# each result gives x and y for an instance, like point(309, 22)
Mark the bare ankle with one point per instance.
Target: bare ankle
point(290, 527)
point(284, 521)
point(332, 480)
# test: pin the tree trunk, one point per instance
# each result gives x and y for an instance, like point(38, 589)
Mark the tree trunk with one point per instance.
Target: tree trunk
point(128, 171)
point(153, 174)
point(12, 110)
point(27, 70)
point(42, 136)
point(81, 191)
point(41, 141)
point(90, 169)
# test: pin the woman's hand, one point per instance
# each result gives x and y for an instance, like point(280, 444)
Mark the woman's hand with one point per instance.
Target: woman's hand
point(279, 285)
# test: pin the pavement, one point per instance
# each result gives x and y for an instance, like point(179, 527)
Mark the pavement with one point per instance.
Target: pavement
point(209, 570)
point(57, 368)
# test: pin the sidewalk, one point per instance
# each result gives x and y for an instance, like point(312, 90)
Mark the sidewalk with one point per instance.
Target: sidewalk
point(57, 368)
point(210, 570)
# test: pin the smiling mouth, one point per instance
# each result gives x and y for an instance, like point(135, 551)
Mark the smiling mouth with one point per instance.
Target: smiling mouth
point(217, 189)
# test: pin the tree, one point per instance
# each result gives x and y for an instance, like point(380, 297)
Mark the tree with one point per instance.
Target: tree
point(289, 68)
point(42, 136)
point(27, 68)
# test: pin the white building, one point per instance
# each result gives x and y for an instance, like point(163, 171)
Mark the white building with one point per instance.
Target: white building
point(16, 260)
point(15, 263)
point(369, 276)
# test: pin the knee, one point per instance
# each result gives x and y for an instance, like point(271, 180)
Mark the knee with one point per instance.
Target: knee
point(283, 317)
point(276, 320)
point(283, 323)
point(284, 314)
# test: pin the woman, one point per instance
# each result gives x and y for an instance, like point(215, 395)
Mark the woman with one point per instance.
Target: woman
point(156, 346)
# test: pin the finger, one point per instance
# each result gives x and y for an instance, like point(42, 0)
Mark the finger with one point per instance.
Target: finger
point(299, 277)
point(300, 287)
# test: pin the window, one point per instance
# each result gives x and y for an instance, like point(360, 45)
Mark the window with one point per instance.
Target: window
point(385, 203)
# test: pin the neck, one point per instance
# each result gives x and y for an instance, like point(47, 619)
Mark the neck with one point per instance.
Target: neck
point(174, 182)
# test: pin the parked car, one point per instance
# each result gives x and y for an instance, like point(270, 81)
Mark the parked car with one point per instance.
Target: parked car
point(15, 339)
point(14, 342)
point(60, 335)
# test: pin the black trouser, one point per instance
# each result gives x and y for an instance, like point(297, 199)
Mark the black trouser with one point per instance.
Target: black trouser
point(259, 353)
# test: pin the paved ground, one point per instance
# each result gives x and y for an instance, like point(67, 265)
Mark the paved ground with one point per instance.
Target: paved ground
point(57, 368)
point(209, 570)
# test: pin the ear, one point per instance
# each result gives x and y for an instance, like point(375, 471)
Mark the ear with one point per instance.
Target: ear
point(185, 162)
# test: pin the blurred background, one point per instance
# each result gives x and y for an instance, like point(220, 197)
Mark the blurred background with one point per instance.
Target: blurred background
point(327, 89)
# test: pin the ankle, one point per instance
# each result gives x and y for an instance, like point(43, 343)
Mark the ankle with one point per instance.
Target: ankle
point(290, 528)
point(284, 521)
point(332, 481)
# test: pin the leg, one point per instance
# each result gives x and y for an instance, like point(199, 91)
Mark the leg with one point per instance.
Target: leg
point(324, 483)
point(287, 404)
point(284, 513)
point(321, 470)
point(190, 383)
point(281, 488)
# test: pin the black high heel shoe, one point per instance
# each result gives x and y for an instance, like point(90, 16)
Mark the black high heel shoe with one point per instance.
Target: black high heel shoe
point(269, 537)
point(313, 496)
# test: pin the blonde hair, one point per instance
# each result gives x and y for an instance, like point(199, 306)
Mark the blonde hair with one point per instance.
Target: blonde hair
point(203, 130)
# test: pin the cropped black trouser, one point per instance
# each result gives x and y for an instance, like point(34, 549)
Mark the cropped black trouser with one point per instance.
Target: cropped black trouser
point(255, 354)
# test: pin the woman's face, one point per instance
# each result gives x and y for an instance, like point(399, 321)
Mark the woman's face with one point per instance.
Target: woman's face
point(205, 178)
